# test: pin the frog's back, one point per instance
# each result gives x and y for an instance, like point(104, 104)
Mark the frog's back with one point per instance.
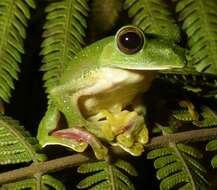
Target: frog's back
point(85, 61)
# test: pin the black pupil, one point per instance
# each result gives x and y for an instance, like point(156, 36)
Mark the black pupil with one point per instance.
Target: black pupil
point(131, 40)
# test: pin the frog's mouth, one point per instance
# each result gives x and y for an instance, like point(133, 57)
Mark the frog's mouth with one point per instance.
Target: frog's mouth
point(154, 67)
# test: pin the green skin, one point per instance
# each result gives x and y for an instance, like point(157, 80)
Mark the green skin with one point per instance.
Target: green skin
point(99, 78)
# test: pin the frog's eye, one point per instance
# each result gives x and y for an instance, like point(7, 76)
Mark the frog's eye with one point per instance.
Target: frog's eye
point(130, 40)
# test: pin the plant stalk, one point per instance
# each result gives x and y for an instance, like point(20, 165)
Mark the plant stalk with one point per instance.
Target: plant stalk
point(77, 159)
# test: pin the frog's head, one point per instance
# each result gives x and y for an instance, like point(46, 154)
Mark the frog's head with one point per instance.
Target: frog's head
point(131, 49)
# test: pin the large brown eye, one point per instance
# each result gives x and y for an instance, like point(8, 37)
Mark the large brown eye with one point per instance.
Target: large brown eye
point(130, 40)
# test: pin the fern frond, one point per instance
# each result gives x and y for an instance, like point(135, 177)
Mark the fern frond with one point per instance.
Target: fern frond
point(47, 182)
point(183, 115)
point(20, 185)
point(16, 144)
point(212, 146)
point(64, 33)
point(107, 176)
point(53, 183)
point(199, 20)
point(209, 118)
point(104, 15)
point(153, 16)
point(178, 167)
point(14, 16)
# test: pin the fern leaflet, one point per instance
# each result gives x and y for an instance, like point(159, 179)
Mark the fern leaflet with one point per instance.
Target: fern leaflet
point(212, 146)
point(64, 32)
point(183, 115)
point(14, 15)
point(153, 16)
point(178, 167)
point(199, 18)
point(107, 176)
point(209, 118)
point(47, 182)
point(16, 144)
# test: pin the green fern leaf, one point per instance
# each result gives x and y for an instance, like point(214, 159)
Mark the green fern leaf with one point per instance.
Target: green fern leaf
point(14, 16)
point(20, 185)
point(177, 178)
point(126, 167)
point(91, 167)
point(159, 153)
point(214, 161)
point(153, 16)
point(64, 32)
point(199, 18)
point(189, 150)
point(179, 167)
point(163, 161)
point(209, 118)
point(183, 115)
point(169, 170)
point(53, 183)
point(108, 176)
point(16, 144)
point(212, 146)
point(47, 183)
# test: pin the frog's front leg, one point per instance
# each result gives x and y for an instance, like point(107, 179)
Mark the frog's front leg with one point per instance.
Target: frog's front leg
point(78, 132)
point(50, 123)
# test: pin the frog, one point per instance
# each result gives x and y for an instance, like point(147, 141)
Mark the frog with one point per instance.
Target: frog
point(100, 93)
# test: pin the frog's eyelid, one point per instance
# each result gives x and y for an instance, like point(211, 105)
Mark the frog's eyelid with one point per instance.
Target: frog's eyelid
point(135, 34)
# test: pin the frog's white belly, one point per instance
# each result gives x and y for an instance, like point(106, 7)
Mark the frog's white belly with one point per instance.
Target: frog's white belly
point(113, 87)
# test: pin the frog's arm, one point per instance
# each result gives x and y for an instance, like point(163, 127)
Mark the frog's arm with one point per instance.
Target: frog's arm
point(75, 138)
point(48, 124)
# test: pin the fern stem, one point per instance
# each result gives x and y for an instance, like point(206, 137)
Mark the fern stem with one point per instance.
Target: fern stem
point(43, 167)
point(187, 136)
point(67, 36)
point(111, 177)
point(173, 145)
point(77, 159)
point(38, 177)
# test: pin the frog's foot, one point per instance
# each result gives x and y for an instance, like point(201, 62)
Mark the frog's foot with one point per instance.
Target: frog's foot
point(122, 128)
point(143, 136)
point(81, 135)
point(136, 149)
point(109, 122)
point(133, 130)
